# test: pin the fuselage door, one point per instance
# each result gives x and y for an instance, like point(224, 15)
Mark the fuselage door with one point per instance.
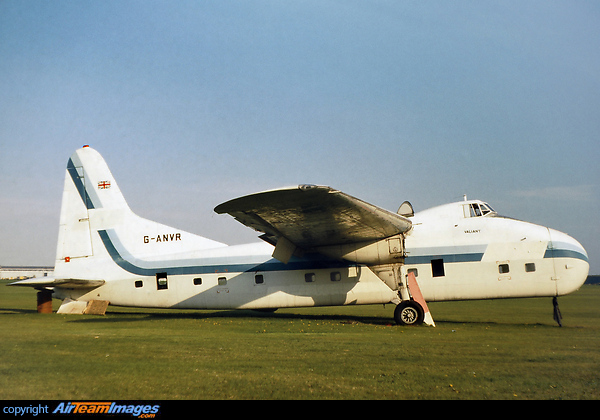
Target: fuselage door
point(551, 254)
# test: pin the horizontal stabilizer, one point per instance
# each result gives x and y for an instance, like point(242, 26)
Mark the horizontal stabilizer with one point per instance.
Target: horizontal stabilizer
point(63, 283)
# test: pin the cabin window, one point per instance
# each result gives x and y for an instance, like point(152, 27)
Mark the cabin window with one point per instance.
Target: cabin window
point(139, 283)
point(437, 268)
point(335, 276)
point(530, 267)
point(259, 279)
point(414, 271)
point(197, 281)
point(310, 277)
point(222, 281)
point(161, 281)
point(503, 268)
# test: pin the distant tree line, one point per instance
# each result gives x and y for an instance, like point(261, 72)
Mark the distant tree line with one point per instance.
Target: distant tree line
point(593, 280)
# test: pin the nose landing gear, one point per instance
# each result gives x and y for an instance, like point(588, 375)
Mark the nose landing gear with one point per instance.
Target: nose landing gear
point(557, 314)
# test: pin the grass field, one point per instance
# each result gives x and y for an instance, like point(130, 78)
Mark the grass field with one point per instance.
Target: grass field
point(504, 349)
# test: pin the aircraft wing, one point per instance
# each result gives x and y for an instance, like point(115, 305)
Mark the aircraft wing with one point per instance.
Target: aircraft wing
point(42, 282)
point(311, 216)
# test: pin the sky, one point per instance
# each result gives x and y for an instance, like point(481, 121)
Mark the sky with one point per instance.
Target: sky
point(192, 103)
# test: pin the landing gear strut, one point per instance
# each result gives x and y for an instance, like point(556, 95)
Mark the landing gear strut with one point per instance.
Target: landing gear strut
point(557, 314)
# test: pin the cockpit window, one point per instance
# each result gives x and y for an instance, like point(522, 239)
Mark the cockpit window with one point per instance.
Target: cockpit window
point(475, 211)
point(478, 210)
point(485, 209)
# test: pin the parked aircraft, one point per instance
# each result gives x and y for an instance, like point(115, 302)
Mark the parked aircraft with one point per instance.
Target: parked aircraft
point(320, 247)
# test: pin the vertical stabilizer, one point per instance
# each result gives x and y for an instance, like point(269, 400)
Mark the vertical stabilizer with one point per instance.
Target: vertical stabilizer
point(95, 220)
point(89, 185)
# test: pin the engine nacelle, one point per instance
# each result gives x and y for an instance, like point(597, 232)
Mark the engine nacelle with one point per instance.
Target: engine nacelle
point(382, 252)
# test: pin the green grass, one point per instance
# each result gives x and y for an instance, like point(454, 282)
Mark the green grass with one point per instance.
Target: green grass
point(505, 349)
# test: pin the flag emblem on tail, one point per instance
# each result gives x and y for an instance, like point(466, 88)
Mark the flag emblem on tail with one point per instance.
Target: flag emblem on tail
point(103, 185)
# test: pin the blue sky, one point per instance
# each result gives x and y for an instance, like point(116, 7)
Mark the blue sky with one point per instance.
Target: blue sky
point(196, 102)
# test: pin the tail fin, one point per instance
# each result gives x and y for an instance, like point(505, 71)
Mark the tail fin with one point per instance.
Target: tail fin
point(80, 196)
point(96, 224)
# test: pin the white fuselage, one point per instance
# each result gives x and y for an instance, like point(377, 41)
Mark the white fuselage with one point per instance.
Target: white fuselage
point(483, 257)
point(454, 257)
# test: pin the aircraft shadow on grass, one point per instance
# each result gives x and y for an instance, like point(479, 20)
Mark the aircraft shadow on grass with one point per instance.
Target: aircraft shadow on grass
point(117, 316)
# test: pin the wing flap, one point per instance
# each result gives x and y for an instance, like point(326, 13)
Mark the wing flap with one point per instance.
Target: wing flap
point(312, 216)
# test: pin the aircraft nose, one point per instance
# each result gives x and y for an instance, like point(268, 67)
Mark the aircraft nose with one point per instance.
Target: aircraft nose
point(571, 262)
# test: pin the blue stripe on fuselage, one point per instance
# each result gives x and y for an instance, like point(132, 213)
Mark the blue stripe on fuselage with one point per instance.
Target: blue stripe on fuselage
point(565, 253)
point(448, 258)
point(79, 185)
point(310, 263)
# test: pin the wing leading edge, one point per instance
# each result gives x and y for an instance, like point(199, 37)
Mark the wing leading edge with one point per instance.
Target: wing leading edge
point(310, 216)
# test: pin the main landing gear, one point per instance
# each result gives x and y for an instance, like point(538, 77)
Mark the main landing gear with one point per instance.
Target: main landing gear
point(409, 312)
point(413, 309)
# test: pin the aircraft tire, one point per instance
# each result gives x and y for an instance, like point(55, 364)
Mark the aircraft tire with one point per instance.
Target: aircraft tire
point(409, 312)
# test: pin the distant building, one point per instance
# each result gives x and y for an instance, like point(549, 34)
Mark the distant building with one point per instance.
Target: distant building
point(20, 272)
